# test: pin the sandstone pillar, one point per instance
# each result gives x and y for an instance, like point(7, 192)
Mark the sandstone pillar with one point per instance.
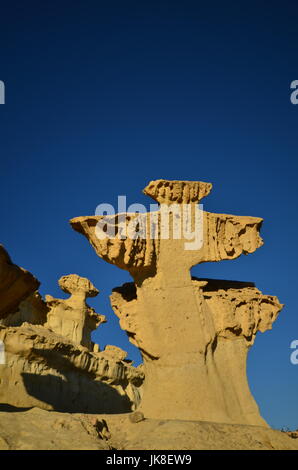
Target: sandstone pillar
point(194, 340)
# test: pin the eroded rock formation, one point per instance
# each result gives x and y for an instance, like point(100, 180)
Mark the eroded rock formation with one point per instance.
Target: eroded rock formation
point(32, 310)
point(48, 371)
point(231, 313)
point(50, 360)
point(73, 318)
point(193, 334)
point(16, 284)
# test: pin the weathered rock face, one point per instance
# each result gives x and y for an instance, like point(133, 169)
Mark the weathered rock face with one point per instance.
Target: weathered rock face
point(45, 370)
point(193, 334)
point(238, 308)
point(73, 318)
point(16, 284)
point(223, 236)
point(50, 361)
point(32, 310)
point(231, 313)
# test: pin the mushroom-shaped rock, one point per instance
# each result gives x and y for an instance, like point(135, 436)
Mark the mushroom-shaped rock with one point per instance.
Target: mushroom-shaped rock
point(73, 284)
point(193, 334)
point(72, 317)
point(179, 226)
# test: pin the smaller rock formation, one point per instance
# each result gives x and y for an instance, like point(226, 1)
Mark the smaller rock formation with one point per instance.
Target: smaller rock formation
point(16, 284)
point(50, 360)
point(73, 318)
point(115, 353)
point(32, 310)
point(45, 370)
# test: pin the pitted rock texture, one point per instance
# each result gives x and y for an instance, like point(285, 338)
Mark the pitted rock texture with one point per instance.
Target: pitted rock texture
point(224, 237)
point(193, 339)
point(182, 192)
point(238, 308)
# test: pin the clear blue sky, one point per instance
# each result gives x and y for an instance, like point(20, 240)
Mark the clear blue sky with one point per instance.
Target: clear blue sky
point(102, 97)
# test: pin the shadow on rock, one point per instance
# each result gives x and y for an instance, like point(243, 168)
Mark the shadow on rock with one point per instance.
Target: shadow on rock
point(4, 407)
point(76, 394)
